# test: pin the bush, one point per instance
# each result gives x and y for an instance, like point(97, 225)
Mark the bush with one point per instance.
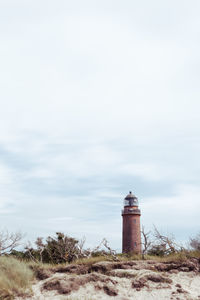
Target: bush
point(56, 250)
point(195, 242)
point(60, 249)
point(15, 278)
point(157, 250)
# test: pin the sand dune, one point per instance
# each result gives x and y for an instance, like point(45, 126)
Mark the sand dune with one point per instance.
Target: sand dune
point(138, 280)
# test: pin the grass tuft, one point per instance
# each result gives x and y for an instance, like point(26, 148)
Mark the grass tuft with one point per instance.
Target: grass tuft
point(15, 278)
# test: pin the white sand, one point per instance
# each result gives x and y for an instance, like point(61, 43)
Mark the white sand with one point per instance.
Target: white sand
point(189, 281)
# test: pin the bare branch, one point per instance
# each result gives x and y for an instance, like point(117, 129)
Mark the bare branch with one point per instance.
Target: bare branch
point(29, 250)
point(40, 246)
point(104, 242)
point(9, 241)
point(80, 246)
point(111, 251)
point(146, 241)
point(167, 243)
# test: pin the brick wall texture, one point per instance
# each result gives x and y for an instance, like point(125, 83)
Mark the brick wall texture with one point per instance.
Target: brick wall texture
point(131, 241)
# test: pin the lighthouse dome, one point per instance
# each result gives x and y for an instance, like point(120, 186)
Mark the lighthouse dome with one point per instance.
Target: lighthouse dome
point(130, 200)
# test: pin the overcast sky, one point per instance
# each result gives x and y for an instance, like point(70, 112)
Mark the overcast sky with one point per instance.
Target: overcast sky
point(98, 98)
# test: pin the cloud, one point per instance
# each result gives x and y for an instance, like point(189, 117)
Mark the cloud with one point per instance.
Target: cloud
point(99, 73)
point(177, 214)
point(98, 99)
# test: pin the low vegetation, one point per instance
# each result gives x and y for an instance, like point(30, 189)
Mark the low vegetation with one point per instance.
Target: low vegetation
point(64, 254)
point(15, 278)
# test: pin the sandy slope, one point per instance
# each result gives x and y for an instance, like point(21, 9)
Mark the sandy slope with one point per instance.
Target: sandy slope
point(138, 280)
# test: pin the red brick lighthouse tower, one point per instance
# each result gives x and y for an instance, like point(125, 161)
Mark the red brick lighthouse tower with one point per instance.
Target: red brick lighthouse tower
point(131, 225)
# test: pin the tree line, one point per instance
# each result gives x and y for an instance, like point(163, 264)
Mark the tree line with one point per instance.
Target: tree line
point(62, 248)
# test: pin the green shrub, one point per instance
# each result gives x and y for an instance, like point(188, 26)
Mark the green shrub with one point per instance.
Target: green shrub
point(55, 250)
point(157, 250)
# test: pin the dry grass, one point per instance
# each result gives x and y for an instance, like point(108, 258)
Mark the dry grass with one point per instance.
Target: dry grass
point(93, 260)
point(120, 257)
point(181, 256)
point(128, 257)
point(15, 278)
point(193, 254)
point(174, 257)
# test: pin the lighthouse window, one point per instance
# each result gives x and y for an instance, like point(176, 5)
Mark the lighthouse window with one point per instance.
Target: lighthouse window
point(134, 221)
point(135, 244)
point(126, 203)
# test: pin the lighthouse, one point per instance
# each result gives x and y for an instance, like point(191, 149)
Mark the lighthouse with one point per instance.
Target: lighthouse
point(131, 235)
